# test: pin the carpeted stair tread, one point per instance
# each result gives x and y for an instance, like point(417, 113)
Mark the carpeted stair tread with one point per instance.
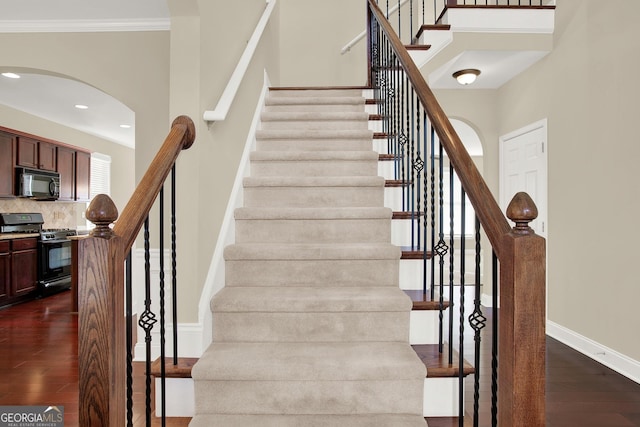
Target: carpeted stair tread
point(301, 361)
point(314, 100)
point(313, 116)
point(320, 181)
point(310, 299)
point(321, 134)
point(370, 420)
point(287, 213)
point(312, 251)
point(265, 156)
point(314, 92)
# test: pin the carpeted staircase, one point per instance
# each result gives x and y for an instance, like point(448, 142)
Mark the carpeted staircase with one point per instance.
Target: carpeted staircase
point(312, 328)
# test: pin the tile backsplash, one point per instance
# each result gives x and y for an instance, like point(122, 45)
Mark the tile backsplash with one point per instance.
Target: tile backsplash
point(55, 214)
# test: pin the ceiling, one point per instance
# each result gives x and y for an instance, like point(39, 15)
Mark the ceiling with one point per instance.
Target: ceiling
point(54, 97)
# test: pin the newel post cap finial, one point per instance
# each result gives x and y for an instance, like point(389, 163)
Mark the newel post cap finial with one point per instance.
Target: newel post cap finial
point(522, 210)
point(102, 212)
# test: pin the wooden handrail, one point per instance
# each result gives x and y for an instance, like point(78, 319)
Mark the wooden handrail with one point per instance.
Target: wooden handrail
point(99, 268)
point(521, 336)
point(181, 137)
point(493, 220)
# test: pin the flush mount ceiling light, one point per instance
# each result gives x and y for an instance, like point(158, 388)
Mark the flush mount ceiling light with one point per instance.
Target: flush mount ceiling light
point(81, 106)
point(466, 76)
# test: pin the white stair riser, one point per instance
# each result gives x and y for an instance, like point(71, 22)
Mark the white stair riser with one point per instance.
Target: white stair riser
point(314, 327)
point(313, 231)
point(313, 144)
point(393, 198)
point(440, 397)
point(313, 197)
point(403, 229)
point(312, 273)
point(180, 398)
point(375, 125)
point(412, 273)
point(423, 327)
point(313, 168)
point(386, 169)
point(310, 397)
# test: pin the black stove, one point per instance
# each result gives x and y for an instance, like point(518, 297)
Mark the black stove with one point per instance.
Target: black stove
point(54, 248)
point(21, 222)
point(53, 234)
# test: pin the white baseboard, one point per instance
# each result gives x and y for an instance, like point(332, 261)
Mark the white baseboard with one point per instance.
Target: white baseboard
point(610, 358)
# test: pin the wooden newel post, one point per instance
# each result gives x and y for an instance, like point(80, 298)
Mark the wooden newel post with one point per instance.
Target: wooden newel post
point(101, 322)
point(521, 355)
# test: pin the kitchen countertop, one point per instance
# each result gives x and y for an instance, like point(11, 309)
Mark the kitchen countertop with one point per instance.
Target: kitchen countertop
point(11, 236)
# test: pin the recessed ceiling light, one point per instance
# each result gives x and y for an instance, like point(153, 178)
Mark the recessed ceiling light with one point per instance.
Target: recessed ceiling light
point(125, 126)
point(11, 75)
point(81, 106)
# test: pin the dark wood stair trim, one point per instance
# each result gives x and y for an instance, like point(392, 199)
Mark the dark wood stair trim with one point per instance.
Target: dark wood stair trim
point(181, 370)
point(406, 215)
point(393, 183)
point(418, 47)
point(422, 301)
point(432, 27)
point(409, 252)
point(438, 363)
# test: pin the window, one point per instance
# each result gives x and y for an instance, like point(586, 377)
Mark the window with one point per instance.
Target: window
point(100, 178)
point(100, 174)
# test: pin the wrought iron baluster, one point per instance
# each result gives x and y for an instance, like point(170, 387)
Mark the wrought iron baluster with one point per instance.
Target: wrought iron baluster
point(433, 213)
point(463, 212)
point(174, 266)
point(477, 321)
point(129, 337)
point(411, 22)
point(146, 322)
point(163, 382)
point(441, 248)
point(494, 343)
point(451, 258)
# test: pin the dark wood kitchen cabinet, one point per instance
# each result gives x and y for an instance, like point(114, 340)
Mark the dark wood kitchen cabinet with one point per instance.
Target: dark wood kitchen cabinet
point(67, 171)
point(83, 176)
point(24, 266)
point(36, 154)
point(7, 161)
point(5, 270)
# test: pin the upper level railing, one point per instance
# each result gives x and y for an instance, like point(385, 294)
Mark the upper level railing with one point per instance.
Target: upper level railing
point(409, 17)
point(104, 337)
point(431, 161)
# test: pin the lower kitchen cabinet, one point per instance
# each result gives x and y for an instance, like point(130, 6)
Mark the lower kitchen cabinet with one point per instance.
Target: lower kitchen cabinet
point(18, 270)
point(5, 270)
point(24, 266)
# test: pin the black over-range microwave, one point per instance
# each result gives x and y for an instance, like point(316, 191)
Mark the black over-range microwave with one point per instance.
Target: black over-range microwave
point(37, 184)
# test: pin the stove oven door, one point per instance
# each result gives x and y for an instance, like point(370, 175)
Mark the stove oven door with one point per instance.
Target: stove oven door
point(54, 264)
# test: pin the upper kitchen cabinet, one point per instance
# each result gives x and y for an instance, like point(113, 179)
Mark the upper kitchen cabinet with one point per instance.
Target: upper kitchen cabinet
point(7, 161)
point(67, 171)
point(83, 176)
point(36, 154)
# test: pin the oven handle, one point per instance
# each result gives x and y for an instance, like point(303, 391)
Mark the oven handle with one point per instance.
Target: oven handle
point(50, 242)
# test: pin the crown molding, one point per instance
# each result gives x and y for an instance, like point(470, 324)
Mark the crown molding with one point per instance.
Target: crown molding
point(85, 25)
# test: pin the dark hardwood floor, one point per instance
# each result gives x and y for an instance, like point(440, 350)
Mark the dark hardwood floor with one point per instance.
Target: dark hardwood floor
point(38, 350)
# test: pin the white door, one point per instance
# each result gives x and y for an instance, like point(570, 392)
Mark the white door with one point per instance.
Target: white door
point(523, 167)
